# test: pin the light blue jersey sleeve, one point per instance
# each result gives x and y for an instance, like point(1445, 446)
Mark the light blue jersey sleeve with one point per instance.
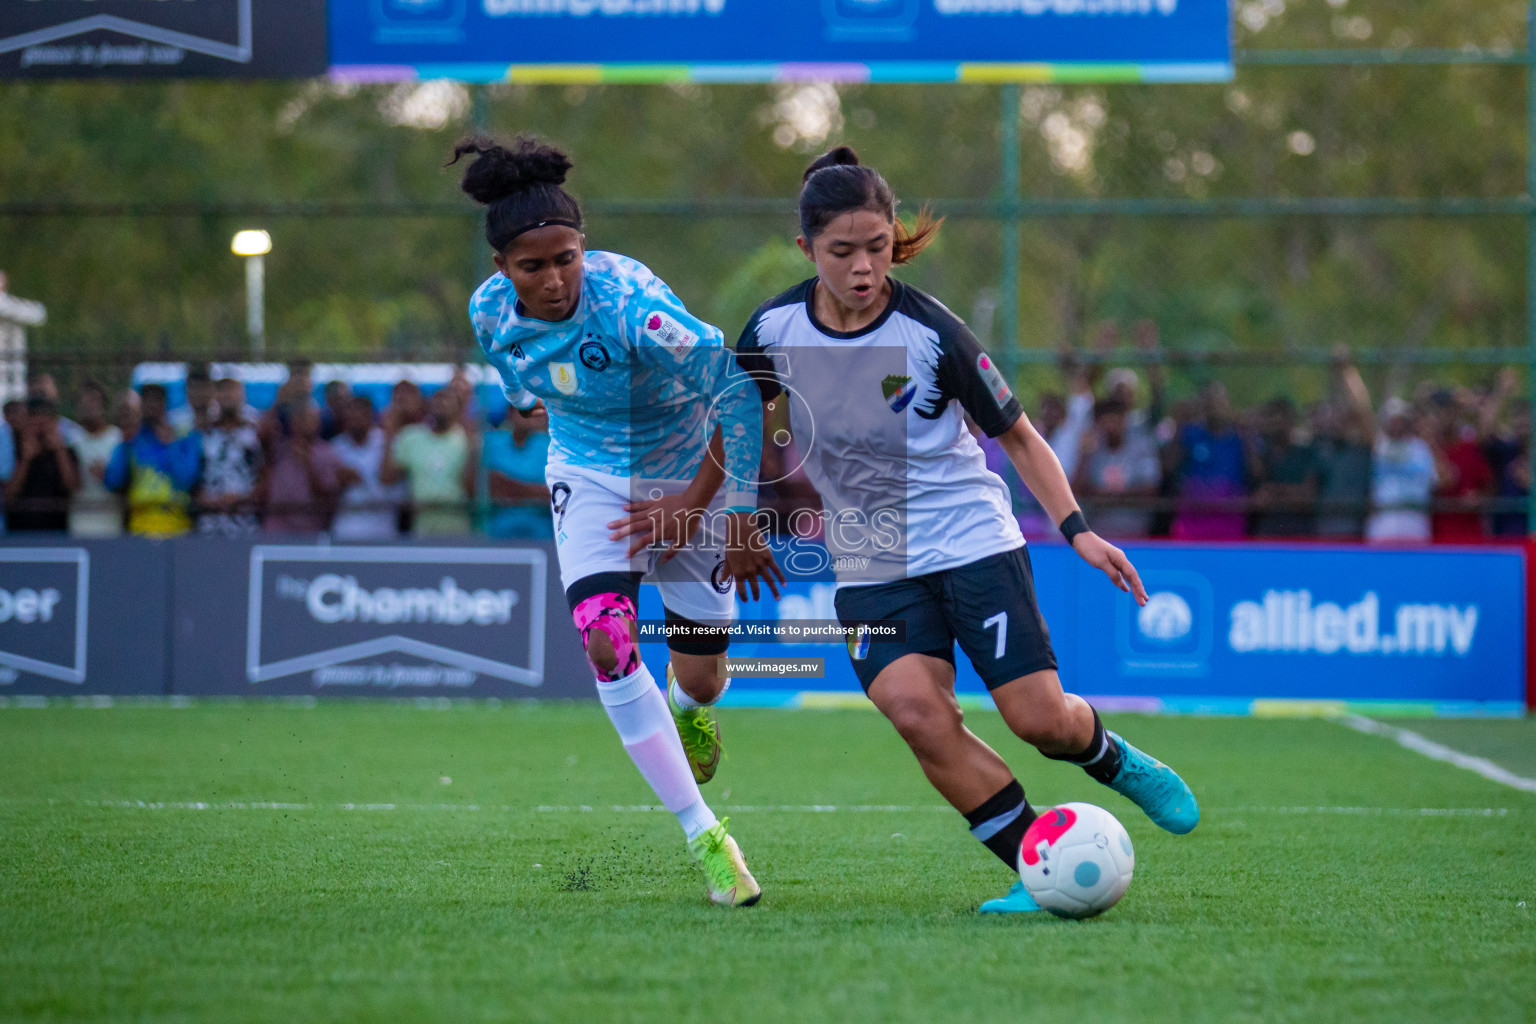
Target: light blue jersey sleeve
point(665, 335)
point(484, 312)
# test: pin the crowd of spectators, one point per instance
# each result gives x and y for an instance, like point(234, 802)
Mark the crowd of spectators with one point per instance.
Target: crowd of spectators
point(422, 465)
point(1446, 464)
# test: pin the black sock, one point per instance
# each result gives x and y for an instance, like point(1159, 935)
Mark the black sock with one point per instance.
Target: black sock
point(1001, 821)
point(1101, 758)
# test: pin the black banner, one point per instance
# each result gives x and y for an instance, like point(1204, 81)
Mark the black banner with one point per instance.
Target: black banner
point(162, 38)
point(83, 617)
point(462, 620)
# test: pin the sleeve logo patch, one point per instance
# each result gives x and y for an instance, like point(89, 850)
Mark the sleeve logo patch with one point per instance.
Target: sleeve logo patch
point(669, 334)
point(992, 377)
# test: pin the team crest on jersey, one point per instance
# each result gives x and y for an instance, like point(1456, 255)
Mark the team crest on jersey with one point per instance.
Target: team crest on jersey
point(564, 377)
point(719, 580)
point(993, 378)
point(593, 355)
point(669, 334)
point(898, 391)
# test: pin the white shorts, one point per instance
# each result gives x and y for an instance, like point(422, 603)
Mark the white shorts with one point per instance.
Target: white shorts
point(584, 501)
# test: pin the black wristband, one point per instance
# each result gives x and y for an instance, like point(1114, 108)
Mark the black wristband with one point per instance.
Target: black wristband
point(1073, 525)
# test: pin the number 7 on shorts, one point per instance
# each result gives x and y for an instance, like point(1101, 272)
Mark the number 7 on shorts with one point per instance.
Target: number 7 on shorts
point(1000, 620)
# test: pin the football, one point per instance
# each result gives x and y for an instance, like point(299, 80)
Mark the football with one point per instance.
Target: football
point(1076, 860)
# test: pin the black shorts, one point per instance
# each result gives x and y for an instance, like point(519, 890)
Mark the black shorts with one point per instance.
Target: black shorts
point(987, 605)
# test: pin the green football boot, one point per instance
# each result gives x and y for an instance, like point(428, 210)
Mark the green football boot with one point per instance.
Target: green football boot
point(725, 870)
point(699, 731)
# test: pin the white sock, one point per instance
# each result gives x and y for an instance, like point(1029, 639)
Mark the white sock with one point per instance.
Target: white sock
point(639, 712)
point(687, 703)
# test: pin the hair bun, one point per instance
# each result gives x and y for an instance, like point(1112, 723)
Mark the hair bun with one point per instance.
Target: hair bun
point(499, 171)
point(841, 156)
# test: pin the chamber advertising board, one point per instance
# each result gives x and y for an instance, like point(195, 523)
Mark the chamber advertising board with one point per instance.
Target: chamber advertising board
point(83, 618)
point(388, 620)
point(162, 38)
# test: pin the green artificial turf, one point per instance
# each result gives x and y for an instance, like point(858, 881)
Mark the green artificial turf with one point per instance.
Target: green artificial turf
point(1316, 888)
point(1509, 743)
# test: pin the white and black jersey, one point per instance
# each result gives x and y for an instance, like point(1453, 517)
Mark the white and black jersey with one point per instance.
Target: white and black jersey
point(878, 419)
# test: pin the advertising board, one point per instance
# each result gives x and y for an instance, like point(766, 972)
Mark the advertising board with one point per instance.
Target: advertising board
point(389, 620)
point(83, 617)
point(1228, 626)
point(159, 39)
point(748, 40)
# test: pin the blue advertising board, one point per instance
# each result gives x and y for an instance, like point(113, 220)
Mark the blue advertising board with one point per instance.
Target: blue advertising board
point(1235, 629)
point(751, 40)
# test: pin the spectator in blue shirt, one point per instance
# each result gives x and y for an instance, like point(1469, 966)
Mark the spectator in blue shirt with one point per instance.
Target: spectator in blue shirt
point(512, 460)
point(7, 456)
point(157, 470)
point(1212, 470)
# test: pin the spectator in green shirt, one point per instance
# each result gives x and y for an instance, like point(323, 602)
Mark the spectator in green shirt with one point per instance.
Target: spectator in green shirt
point(439, 461)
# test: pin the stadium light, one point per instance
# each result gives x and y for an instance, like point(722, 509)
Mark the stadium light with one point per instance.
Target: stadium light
point(254, 246)
point(251, 243)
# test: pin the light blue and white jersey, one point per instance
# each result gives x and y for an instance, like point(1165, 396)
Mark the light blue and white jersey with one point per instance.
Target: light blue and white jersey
point(634, 383)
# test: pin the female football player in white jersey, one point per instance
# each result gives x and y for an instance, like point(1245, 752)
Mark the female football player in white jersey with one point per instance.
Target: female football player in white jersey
point(635, 387)
point(879, 377)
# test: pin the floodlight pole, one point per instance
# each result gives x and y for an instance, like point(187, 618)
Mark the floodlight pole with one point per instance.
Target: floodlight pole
point(255, 302)
point(1008, 286)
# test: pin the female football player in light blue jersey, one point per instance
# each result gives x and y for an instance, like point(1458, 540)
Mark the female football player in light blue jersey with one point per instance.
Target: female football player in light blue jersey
point(636, 387)
point(879, 378)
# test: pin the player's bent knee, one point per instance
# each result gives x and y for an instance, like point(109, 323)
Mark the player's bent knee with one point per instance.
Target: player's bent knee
point(600, 653)
point(1047, 726)
point(607, 623)
point(699, 677)
point(925, 723)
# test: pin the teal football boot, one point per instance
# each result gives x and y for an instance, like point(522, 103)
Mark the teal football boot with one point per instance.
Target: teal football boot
point(1156, 789)
point(1017, 901)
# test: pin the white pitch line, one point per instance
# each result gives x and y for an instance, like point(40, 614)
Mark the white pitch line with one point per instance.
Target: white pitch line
point(1440, 752)
point(1395, 812)
point(269, 805)
point(274, 805)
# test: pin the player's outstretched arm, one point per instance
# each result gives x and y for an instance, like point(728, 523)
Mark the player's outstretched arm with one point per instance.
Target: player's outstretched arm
point(674, 518)
point(1042, 473)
